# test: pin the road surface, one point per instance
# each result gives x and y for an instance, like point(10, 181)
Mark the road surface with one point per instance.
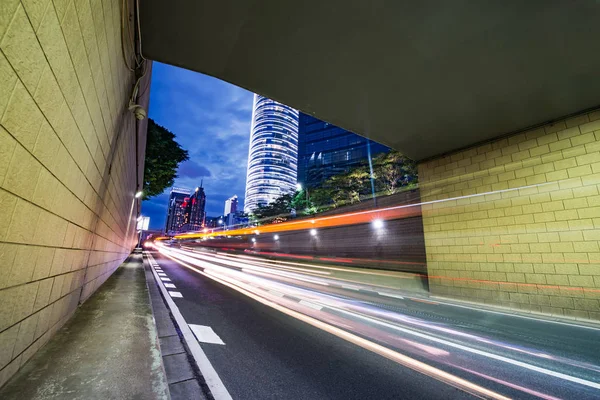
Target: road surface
point(293, 330)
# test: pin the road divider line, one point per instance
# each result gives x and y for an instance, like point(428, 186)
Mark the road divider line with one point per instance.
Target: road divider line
point(206, 334)
point(391, 295)
point(424, 301)
point(211, 377)
point(311, 305)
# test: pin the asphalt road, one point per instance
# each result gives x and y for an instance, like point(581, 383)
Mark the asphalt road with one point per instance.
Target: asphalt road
point(269, 354)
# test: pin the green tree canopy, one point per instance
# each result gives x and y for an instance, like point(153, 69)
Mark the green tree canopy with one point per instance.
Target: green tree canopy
point(392, 172)
point(276, 211)
point(163, 156)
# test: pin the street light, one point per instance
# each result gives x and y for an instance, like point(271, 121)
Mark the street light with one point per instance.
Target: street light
point(139, 194)
point(276, 237)
point(377, 224)
point(313, 232)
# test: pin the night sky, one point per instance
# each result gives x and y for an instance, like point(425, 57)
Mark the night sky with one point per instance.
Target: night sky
point(211, 120)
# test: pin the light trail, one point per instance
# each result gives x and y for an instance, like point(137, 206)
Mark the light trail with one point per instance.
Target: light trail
point(369, 345)
point(320, 301)
point(352, 218)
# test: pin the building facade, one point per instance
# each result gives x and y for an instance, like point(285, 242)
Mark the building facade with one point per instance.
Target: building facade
point(195, 214)
point(176, 210)
point(231, 205)
point(272, 154)
point(186, 211)
point(325, 150)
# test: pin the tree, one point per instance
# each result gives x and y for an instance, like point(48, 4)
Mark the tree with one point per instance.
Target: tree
point(276, 211)
point(321, 198)
point(163, 156)
point(393, 171)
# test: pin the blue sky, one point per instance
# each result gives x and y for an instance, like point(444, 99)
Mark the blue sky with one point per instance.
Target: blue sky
point(211, 120)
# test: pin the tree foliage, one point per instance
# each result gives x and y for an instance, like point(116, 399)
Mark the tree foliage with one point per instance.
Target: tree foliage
point(163, 156)
point(275, 211)
point(392, 172)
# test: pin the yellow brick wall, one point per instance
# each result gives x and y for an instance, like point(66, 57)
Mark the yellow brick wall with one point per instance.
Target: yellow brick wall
point(516, 222)
point(63, 213)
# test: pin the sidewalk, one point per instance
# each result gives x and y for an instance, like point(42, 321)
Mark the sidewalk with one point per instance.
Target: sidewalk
point(108, 350)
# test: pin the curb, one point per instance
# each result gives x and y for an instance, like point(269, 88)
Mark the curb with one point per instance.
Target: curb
point(212, 379)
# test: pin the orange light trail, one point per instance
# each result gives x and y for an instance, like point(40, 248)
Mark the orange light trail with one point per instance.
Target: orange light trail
point(362, 217)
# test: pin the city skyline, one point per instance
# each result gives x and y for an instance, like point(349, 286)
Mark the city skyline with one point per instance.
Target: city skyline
point(227, 114)
point(211, 119)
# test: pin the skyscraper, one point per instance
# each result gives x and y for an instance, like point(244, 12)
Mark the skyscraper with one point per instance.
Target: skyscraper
point(273, 152)
point(325, 150)
point(195, 210)
point(186, 211)
point(175, 211)
point(231, 205)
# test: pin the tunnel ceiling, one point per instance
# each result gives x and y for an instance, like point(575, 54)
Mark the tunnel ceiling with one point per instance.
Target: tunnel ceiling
point(424, 77)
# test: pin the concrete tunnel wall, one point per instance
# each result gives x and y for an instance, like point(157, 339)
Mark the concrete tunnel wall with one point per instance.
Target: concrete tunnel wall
point(67, 165)
point(535, 248)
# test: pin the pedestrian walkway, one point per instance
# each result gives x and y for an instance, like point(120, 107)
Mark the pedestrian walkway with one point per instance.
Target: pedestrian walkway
point(108, 350)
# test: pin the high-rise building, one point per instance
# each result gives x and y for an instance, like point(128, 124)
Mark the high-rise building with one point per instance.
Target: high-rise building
point(175, 211)
point(325, 150)
point(231, 205)
point(272, 154)
point(186, 211)
point(195, 210)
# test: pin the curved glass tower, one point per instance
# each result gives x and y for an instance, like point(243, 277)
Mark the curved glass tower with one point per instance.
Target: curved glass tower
point(273, 152)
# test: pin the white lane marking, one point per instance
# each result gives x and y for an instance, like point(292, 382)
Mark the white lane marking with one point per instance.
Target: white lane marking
point(161, 274)
point(351, 288)
point(391, 295)
point(175, 294)
point(170, 286)
point(478, 352)
point(212, 379)
point(165, 279)
point(205, 334)
point(311, 305)
point(276, 293)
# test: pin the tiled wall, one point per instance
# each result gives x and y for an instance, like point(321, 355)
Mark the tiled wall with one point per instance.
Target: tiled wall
point(67, 164)
point(516, 222)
